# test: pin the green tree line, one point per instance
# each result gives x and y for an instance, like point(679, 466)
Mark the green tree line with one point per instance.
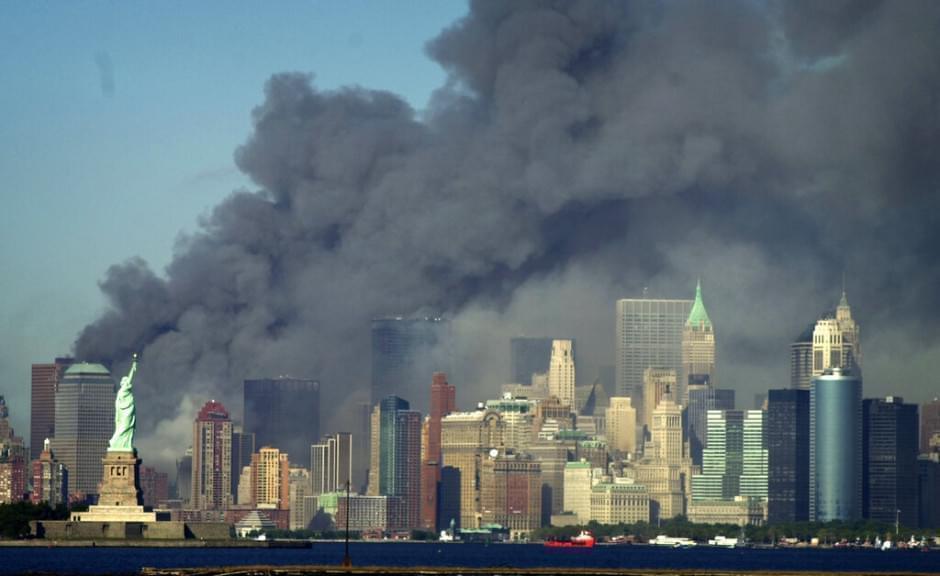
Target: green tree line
point(15, 517)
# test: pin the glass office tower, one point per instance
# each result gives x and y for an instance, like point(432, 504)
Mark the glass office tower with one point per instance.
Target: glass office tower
point(835, 446)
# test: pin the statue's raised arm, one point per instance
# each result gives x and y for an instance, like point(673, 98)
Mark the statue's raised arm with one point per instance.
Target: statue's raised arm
point(125, 415)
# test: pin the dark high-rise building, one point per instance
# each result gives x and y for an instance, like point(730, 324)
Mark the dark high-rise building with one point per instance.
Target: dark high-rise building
point(398, 458)
point(835, 447)
point(702, 398)
point(443, 402)
point(405, 353)
point(84, 422)
point(448, 510)
point(184, 477)
point(529, 356)
point(889, 463)
point(243, 446)
point(45, 382)
point(284, 413)
point(928, 492)
point(929, 423)
point(786, 432)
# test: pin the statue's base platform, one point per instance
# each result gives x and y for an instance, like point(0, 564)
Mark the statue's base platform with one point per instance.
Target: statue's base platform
point(86, 530)
point(115, 514)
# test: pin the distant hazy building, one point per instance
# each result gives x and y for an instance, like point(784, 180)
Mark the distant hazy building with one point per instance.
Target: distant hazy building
point(397, 457)
point(649, 335)
point(301, 508)
point(212, 458)
point(561, 372)
point(50, 479)
point(517, 416)
point(331, 463)
point(835, 447)
point(84, 422)
point(184, 477)
point(702, 398)
point(529, 357)
point(929, 423)
point(889, 463)
point(270, 479)
point(511, 492)
point(620, 502)
point(284, 413)
point(580, 477)
point(154, 487)
point(243, 446)
point(621, 426)
point(405, 353)
point(787, 438)
point(44, 383)
point(698, 349)
point(12, 460)
point(801, 359)
point(658, 383)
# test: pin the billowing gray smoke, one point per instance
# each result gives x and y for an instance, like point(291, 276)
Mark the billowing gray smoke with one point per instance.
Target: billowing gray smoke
point(578, 153)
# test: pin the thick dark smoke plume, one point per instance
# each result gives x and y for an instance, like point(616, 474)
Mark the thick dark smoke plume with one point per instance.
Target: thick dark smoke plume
point(580, 152)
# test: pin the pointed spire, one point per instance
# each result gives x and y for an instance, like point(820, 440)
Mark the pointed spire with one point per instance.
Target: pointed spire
point(698, 316)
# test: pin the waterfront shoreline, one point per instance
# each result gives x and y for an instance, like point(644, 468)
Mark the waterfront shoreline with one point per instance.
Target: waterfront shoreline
point(332, 570)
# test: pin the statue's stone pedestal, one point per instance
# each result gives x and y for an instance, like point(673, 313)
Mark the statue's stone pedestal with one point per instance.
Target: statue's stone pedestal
point(119, 497)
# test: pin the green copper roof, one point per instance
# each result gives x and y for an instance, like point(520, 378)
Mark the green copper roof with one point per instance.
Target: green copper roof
point(698, 316)
point(87, 368)
point(843, 302)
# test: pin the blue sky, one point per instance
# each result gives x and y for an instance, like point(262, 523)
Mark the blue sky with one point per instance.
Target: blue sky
point(120, 120)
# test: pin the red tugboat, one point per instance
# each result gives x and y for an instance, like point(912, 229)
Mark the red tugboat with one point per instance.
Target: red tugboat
point(583, 540)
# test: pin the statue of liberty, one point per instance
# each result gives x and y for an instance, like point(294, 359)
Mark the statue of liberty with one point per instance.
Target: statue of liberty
point(125, 416)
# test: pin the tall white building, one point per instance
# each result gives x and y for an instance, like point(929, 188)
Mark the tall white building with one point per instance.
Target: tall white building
point(580, 477)
point(561, 372)
point(621, 425)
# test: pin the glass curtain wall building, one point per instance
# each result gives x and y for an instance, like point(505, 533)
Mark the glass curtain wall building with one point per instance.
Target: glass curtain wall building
point(786, 434)
point(835, 447)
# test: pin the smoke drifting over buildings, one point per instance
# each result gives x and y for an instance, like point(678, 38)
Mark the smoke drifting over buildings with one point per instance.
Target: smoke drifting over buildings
point(578, 153)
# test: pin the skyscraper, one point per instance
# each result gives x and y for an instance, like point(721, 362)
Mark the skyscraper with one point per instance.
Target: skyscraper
point(405, 353)
point(658, 383)
point(511, 491)
point(50, 479)
point(666, 467)
point(12, 460)
point(243, 446)
point(649, 335)
point(331, 463)
point(399, 458)
point(702, 398)
point(734, 461)
point(801, 359)
point(621, 426)
point(466, 439)
point(889, 440)
point(698, 349)
point(212, 458)
point(84, 422)
point(443, 402)
point(561, 372)
point(284, 413)
point(835, 447)
point(787, 439)
point(270, 479)
point(929, 423)
point(45, 381)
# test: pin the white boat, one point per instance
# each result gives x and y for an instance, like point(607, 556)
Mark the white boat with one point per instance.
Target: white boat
point(663, 540)
point(723, 542)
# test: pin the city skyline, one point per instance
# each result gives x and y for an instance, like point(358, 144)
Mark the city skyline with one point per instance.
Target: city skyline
point(518, 191)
